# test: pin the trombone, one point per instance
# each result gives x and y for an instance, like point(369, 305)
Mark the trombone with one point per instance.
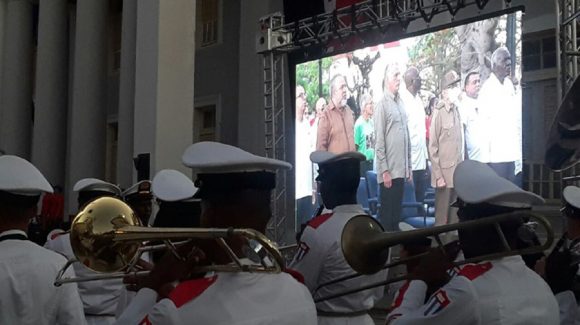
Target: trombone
point(366, 247)
point(107, 237)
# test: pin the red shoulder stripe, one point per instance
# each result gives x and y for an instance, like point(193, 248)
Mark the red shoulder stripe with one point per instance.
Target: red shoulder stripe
point(472, 271)
point(56, 234)
point(318, 220)
point(188, 290)
point(401, 295)
point(145, 321)
point(295, 274)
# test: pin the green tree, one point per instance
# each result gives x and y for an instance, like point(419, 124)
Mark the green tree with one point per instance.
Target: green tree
point(434, 54)
point(307, 76)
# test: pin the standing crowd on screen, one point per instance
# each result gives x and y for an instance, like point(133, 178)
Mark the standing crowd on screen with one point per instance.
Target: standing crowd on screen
point(408, 140)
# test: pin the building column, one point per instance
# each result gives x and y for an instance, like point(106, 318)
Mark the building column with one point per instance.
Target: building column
point(127, 94)
point(87, 136)
point(16, 100)
point(163, 124)
point(49, 134)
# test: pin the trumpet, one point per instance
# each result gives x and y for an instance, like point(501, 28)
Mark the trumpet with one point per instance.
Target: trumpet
point(366, 247)
point(107, 237)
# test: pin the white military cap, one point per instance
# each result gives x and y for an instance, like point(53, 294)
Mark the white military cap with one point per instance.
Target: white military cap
point(326, 157)
point(223, 167)
point(20, 177)
point(142, 188)
point(215, 157)
point(571, 196)
point(171, 185)
point(476, 182)
point(96, 185)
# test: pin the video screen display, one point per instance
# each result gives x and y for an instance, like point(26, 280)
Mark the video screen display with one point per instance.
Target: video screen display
point(415, 108)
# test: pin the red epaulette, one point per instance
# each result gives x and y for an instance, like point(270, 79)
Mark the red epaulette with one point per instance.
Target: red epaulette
point(295, 274)
point(318, 220)
point(473, 271)
point(188, 290)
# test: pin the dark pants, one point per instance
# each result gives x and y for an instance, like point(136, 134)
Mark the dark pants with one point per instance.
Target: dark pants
point(505, 170)
point(391, 199)
point(419, 181)
point(304, 209)
point(365, 166)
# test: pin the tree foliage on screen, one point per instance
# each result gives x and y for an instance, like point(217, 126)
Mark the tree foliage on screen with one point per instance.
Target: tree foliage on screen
point(307, 76)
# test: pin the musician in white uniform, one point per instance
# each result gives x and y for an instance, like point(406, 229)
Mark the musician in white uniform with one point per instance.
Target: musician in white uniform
point(28, 271)
point(234, 187)
point(560, 268)
point(174, 193)
point(99, 297)
point(501, 291)
point(320, 258)
point(140, 199)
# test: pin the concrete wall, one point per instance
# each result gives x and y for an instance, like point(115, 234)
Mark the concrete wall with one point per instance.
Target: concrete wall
point(217, 72)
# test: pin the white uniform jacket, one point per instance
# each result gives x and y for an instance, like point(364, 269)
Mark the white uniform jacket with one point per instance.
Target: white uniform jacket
point(27, 291)
point(320, 260)
point(502, 292)
point(100, 297)
point(226, 298)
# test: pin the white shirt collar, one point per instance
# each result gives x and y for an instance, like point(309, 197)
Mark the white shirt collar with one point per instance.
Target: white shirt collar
point(346, 208)
point(13, 232)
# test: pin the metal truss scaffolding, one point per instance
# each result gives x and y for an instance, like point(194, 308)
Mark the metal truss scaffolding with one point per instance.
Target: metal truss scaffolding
point(275, 131)
point(371, 17)
point(568, 14)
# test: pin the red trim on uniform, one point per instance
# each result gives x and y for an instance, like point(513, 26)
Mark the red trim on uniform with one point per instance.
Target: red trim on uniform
point(56, 234)
point(295, 274)
point(188, 290)
point(472, 271)
point(401, 295)
point(318, 220)
point(145, 321)
point(345, 3)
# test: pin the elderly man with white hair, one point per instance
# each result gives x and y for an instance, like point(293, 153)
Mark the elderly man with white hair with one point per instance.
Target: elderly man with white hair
point(392, 148)
point(500, 109)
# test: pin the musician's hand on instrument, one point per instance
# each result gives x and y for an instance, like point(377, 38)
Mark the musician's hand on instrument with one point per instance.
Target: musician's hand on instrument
point(171, 268)
point(432, 268)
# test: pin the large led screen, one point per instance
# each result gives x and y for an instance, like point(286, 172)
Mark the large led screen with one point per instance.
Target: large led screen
point(415, 108)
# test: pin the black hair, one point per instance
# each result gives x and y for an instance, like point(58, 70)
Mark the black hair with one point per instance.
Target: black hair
point(8, 199)
point(176, 214)
point(344, 175)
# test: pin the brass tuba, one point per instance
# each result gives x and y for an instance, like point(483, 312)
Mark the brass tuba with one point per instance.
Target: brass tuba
point(107, 237)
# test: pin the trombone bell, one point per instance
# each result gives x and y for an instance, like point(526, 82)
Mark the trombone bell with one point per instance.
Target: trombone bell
point(357, 245)
point(93, 233)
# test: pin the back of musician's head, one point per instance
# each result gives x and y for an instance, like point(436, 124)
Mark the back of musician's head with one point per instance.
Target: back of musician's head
point(339, 182)
point(243, 208)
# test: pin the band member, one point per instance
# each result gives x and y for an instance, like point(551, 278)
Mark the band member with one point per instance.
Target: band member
point(140, 199)
point(320, 258)
point(234, 188)
point(99, 297)
point(28, 271)
point(499, 291)
point(560, 268)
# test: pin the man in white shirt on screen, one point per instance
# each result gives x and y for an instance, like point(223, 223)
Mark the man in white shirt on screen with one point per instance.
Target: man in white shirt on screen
point(476, 136)
point(501, 110)
point(304, 147)
point(416, 125)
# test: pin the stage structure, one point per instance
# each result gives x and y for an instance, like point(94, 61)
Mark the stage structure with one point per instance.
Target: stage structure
point(568, 14)
point(371, 21)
